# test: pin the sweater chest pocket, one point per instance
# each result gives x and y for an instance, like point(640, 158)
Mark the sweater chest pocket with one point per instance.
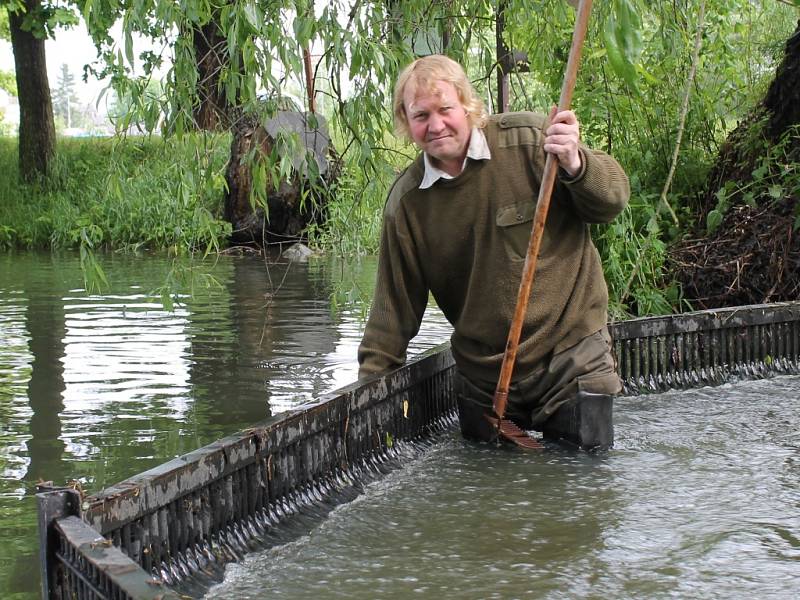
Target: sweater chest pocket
point(514, 223)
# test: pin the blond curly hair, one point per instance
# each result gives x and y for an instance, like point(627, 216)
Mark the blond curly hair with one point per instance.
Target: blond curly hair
point(424, 73)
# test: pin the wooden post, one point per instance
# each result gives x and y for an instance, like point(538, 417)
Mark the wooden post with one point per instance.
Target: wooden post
point(502, 58)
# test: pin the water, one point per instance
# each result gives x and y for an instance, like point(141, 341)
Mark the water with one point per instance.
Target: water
point(700, 498)
point(97, 388)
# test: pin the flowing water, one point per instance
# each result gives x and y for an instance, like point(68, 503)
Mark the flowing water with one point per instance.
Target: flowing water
point(700, 498)
point(98, 387)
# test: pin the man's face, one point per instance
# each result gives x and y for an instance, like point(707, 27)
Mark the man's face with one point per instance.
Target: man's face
point(438, 123)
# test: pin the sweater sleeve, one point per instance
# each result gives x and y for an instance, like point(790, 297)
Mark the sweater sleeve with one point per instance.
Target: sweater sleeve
point(601, 190)
point(401, 296)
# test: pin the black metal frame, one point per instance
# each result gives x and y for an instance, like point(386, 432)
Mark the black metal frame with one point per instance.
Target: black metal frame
point(182, 521)
point(708, 347)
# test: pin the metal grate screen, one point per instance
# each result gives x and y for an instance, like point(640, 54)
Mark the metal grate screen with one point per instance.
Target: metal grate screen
point(177, 525)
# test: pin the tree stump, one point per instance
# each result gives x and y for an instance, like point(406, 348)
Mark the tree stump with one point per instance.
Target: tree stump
point(288, 206)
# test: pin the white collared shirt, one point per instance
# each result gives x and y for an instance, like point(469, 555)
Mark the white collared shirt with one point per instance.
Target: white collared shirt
point(478, 149)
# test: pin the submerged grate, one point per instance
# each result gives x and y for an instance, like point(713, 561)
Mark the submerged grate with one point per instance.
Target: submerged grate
point(176, 526)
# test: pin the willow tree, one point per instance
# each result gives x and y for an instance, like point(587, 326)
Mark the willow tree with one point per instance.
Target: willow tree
point(239, 58)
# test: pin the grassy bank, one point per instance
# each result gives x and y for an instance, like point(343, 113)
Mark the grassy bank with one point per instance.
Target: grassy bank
point(150, 194)
point(136, 193)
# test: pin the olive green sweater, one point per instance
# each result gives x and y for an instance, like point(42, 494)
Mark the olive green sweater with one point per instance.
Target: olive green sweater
point(465, 240)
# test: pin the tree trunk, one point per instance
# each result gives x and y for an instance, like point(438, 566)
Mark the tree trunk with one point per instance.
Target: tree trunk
point(37, 132)
point(210, 47)
point(288, 211)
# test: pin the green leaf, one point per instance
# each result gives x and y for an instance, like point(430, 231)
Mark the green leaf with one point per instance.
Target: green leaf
point(87, 10)
point(252, 15)
point(129, 46)
point(775, 191)
point(629, 32)
point(713, 221)
point(759, 173)
point(618, 61)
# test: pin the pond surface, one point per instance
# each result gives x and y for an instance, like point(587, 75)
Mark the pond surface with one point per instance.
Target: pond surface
point(700, 498)
point(98, 387)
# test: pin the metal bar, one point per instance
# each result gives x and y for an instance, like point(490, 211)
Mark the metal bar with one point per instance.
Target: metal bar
point(106, 564)
point(204, 508)
point(52, 504)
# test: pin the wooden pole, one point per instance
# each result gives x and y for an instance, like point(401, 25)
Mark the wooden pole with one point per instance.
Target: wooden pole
point(542, 206)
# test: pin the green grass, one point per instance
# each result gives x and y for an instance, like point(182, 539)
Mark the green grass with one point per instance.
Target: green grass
point(150, 194)
point(135, 193)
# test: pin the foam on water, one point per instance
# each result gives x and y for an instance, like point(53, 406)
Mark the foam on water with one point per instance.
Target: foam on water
point(698, 499)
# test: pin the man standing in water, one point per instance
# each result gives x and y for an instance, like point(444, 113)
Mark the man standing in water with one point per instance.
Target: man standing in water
point(457, 223)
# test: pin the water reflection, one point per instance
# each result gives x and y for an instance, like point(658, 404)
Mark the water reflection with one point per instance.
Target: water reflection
point(98, 388)
point(15, 372)
point(44, 321)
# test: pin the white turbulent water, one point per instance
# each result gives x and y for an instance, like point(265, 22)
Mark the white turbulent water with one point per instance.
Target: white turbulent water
point(700, 498)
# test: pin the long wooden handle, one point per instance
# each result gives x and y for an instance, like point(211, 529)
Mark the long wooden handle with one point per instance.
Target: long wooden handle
point(542, 206)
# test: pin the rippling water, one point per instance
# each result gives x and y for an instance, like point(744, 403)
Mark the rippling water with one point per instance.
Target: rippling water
point(700, 498)
point(96, 388)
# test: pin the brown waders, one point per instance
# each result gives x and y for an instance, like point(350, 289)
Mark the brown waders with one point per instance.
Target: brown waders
point(568, 397)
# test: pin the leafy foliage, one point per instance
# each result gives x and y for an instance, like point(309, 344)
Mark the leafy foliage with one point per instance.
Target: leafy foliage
point(5, 34)
point(8, 82)
point(636, 62)
point(40, 18)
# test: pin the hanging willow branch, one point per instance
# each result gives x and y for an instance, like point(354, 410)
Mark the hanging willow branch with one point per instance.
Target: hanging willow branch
point(698, 42)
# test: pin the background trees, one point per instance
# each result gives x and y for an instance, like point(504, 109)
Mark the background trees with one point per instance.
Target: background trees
point(64, 97)
point(661, 87)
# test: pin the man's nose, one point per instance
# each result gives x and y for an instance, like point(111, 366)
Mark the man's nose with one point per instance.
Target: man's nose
point(435, 123)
